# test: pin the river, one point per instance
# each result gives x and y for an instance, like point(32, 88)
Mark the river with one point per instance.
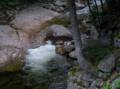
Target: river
point(44, 69)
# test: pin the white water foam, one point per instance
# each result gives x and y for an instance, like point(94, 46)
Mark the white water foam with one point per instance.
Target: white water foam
point(37, 58)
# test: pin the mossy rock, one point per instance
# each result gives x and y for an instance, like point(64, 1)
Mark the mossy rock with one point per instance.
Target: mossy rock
point(57, 21)
point(73, 70)
point(12, 66)
point(79, 83)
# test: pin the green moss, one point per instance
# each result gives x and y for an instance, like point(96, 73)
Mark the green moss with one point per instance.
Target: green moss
point(12, 66)
point(73, 71)
point(57, 20)
point(60, 21)
point(106, 86)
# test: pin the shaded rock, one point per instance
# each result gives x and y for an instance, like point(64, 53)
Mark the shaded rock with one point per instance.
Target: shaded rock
point(84, 11)
point(58, 31)
point(59, 42)
point(55, 33)
point(98, 83)
point(57, 86)
point(84, 39)
point(107, 64)
point(118, 65)
point(94, 87)
point(79, 6)
point(87, 77)
point(64, 47)
point(117, 42)
point(104, 75)
point(60, 3)
point(93, 33)
point(69, 48)
point(60, 50)
point(116, 83)
point(32, 18)
point(3, 17)
point(81, 14)
point(72, 54)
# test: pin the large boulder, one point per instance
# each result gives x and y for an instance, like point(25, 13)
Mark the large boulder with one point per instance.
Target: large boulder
point(11, 37)
point(60, 3)
point(32, 18)
point(53, 33)
point(12, 43)
point(107, 64)
point(58, 31)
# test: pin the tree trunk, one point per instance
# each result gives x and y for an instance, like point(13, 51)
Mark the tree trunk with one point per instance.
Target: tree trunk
point(85, 65)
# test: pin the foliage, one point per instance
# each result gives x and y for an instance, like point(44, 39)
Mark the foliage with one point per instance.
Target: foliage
point(116, 84)
point(117, 35)
point(10, 3)
point(14, 3)
point(96, 53)
point(106, 86)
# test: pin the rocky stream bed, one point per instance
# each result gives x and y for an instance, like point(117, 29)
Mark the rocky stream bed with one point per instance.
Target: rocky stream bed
point(37, 50)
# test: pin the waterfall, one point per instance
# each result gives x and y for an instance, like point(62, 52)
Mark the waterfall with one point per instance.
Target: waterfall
point(37, 58)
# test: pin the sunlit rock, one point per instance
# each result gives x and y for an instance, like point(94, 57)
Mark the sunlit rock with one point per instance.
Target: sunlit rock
point(31, 19)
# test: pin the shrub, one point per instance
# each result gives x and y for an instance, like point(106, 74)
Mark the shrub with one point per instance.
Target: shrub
point(117, 35)
point(116, 84)
point(106, 86)
point(96, 53)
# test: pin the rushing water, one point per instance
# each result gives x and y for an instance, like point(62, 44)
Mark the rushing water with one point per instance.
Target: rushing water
point(44, 69)
point(38, 58)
